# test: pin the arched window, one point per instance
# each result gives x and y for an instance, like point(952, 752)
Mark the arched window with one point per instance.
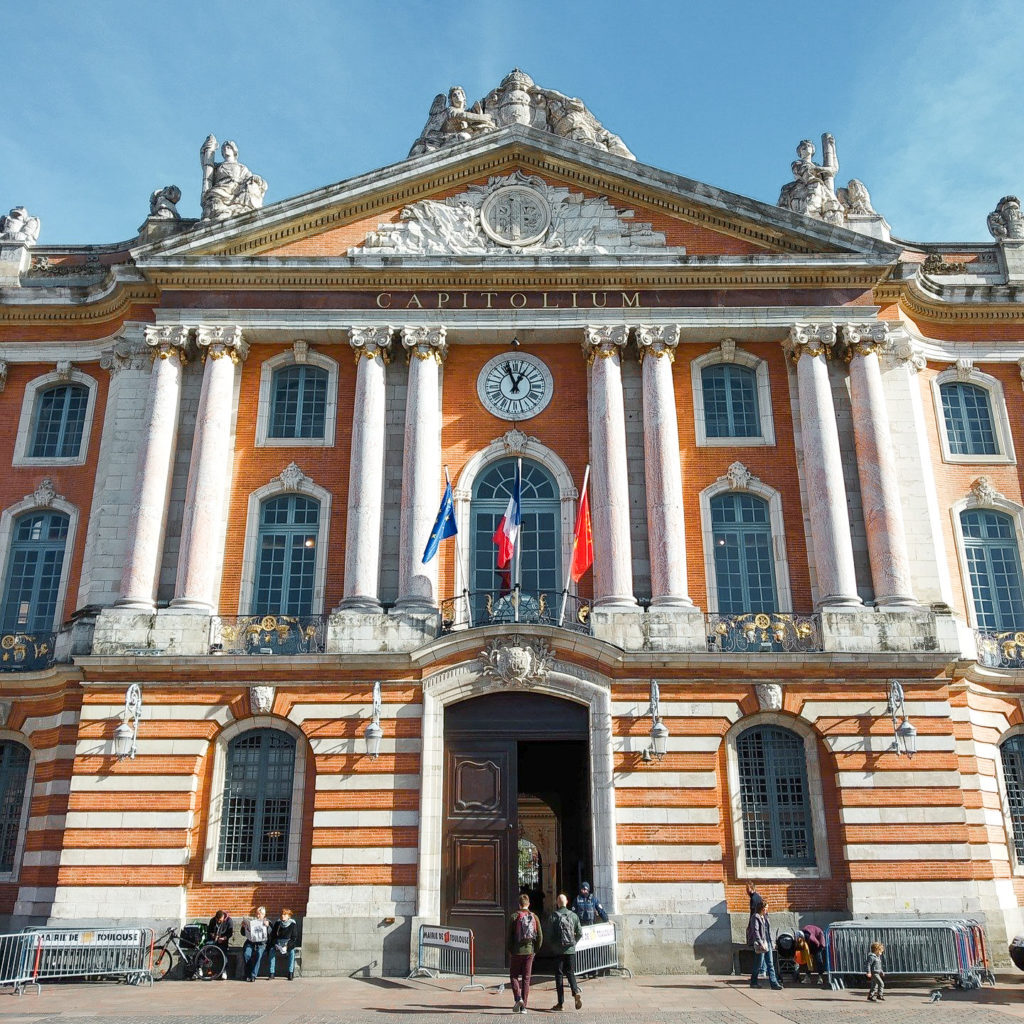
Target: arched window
point(257, 804)
point(539, 535)
point(34, 572)
point(299, 406)
point(59, 422)
point(13, 776)
point(774, 798)
point(744, 562)
point(730, 401)
point(1012, 752)
point(993, 561)
point(967, 411)
point(286, 556)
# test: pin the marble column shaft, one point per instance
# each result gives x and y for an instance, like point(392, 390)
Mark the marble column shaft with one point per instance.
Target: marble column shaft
point(209, 471)
point(609, 484)
point(662, 467)
point(366, 469)
point(876, 467)
point(141, 570)
point(421, 467)
point(823, 466)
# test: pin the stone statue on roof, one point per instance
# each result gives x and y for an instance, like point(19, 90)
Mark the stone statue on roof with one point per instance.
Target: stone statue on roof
point(517, 100)
point(1006, 221)
point(812, 190)
point(229, 187)
point(19, 226)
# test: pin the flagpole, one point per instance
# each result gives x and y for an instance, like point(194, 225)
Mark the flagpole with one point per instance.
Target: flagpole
point(517, 553)
point(458, 563)
point(568, 575)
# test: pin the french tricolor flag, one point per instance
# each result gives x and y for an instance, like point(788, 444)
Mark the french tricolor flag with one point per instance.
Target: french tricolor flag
point(507, 533)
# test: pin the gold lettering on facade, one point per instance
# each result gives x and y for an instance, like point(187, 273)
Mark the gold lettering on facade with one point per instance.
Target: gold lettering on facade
point(627, 301)
point(384, 300)
point(602, 303)
point(573, 300)
point(512, 300)
point(414, 301)
point(443, 298)
point(546, 305)
point(489, 295)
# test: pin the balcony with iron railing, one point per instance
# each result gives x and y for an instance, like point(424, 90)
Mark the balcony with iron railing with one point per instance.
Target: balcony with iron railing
point(764, 633)
point(1000, 648)
point(268, 634)
point(26, 652)
point(507, 607)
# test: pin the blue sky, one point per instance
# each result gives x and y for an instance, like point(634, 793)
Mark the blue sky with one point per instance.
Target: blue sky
point(108, 100)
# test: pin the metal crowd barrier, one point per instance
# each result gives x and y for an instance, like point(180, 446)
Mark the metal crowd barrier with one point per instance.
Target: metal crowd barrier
point(16, 955)
point(953, 949)
point(598, 950)
point(86, 953)
point(446, 951)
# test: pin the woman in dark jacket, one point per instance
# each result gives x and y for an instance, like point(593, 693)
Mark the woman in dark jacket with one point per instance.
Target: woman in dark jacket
point(759, 938)
point(219, 930)
point(284, 939)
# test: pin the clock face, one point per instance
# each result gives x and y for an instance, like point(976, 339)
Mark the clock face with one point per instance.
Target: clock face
point(514, 387)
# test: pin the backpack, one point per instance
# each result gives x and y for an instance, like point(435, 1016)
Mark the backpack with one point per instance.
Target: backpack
point(526, 927)
point(566, 932)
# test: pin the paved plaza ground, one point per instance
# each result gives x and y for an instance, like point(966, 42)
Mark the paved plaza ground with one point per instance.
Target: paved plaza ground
point(646, 1000)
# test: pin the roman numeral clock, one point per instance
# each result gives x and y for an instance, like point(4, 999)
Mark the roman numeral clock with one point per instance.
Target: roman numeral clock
point(514, 386)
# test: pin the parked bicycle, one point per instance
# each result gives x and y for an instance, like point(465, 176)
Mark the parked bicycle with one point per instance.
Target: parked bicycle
point(205, 961)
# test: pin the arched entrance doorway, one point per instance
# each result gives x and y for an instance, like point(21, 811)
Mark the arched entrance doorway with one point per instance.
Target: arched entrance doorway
point(512, 759)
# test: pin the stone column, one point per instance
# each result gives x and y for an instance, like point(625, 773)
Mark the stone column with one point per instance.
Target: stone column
point(209, 470)
point(876, 465)
point(156, 463)
point(366, 469)
point(662, 468)
point(609, 485)
point(809, 346)
point(421, 467)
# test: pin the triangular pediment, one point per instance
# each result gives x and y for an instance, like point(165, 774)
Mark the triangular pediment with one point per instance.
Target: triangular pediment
point(597, 204)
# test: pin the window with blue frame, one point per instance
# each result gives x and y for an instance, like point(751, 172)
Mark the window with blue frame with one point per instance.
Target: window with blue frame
point(744, 559)
point(774, 800)
point(1012, 755)
point(34, 566)
point(59, 422)
point(970, 428)
point(286, 556)
point(993, 563)
point(257, 805)
point(13, 778)
point(730, 401)
point(299, 403)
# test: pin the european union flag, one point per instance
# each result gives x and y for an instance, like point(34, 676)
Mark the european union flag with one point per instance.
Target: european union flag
point(444, 526)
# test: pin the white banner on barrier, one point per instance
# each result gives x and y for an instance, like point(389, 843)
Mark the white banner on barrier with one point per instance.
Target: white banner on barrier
point(596, 935)
point(445, 938)
point(110, 937)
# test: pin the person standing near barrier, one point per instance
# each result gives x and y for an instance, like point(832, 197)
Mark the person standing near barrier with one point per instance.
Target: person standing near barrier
point(586, 906)
point(810, 942)
point(875, 973)
point(759, 938)
point(256, 930)
point(219, 931)
point(564, 931)
point(524, 939)
point(283, 942)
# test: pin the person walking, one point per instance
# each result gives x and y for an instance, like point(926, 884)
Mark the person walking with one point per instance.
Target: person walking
point(564, 931)
point(524, 939)
point(586, 906)
point(219, 931)
point(759, 938)
point(284, 939)
point(256, 930)
point(875, 973)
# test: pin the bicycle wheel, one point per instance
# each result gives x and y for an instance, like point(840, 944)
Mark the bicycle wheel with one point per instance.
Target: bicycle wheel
point(210, 962)
point(163, 961)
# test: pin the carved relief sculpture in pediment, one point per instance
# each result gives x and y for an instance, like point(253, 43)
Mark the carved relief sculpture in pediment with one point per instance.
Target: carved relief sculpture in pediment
point(516, 661)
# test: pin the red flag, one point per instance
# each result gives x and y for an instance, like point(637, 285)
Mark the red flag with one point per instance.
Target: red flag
point(582, 540)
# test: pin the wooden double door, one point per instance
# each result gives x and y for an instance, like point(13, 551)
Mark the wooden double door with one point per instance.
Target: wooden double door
point(483, 740)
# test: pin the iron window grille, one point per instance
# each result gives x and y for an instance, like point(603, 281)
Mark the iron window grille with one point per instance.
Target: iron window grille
point(59, 422)
point(257, 804)
point(1012, 751)
point(13, 776)
point(773, 795)
point(286, 556)
point(993, 562)
point(967, 411)
point(730, 401)
point(299, 407)
point(744, 560)
point(34, 572)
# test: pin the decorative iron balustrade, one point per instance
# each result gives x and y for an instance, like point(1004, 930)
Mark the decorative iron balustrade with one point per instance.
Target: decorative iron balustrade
point(1004, 649)
point(24, 652)
point(495, 607)
point(763, 633)
point(268, 634)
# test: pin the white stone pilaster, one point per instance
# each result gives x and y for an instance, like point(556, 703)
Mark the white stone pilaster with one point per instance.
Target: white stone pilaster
point(421, 467)
point(153, 473)
point(662, 467)
point(209, 470)
point(809, 346)
point(609, 506)
point(366, 469)
point(876, 466)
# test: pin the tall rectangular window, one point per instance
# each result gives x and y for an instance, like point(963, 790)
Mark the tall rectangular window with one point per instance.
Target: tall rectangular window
point(730, 401)
point(59, 422)
point(967, 411)
point(299, 405)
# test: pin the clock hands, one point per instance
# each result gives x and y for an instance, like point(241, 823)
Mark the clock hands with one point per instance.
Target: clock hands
point(512, 377)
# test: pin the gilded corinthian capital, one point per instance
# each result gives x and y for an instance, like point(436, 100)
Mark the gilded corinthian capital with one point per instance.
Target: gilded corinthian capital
point(811, 340)
point(603, 342)
point(167, 340)
point(657, 341)
point(215, 342)
point(866, 339)
point(425, 342)
point(370, 342)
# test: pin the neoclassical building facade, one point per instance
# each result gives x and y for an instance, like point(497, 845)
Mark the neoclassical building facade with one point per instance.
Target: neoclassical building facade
point(797, 658)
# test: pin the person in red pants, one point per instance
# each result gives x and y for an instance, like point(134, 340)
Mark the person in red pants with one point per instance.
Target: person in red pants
point(524, 939)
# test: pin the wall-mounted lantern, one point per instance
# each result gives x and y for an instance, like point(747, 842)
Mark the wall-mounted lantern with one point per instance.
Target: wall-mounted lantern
point(659, 731)
point(904, 733)
point(373, 731)
point(127, 733)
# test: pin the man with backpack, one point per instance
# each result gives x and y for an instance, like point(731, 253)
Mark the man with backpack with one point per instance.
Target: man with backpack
point(524, 939)
point(564, 931)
